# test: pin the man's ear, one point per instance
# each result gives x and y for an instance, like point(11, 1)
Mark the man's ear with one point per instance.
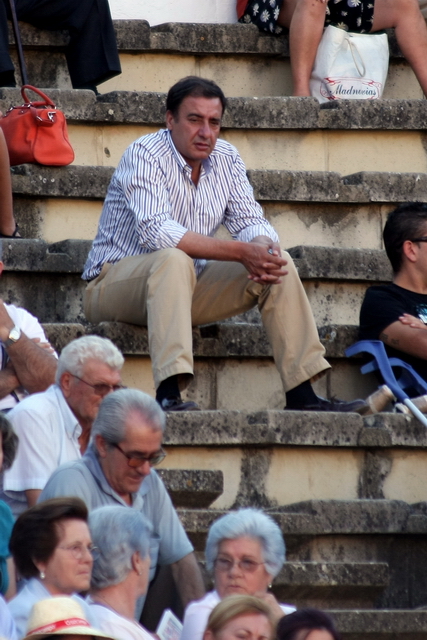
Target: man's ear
point(101, 446)
point(169, 120)
point(410, 251)
point(65, 382)
point(1, 267)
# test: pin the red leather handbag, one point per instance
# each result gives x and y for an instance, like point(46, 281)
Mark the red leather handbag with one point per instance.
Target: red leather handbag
point(36, 132)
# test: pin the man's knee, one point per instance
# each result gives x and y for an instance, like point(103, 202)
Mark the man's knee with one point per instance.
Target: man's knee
point(175, 263)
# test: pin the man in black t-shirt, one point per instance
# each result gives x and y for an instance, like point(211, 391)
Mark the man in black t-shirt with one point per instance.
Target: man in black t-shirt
point(397, 313)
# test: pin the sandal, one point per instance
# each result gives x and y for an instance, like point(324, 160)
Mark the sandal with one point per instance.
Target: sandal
point(15, 234)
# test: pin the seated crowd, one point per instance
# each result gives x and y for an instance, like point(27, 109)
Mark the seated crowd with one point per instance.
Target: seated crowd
point(95, 526)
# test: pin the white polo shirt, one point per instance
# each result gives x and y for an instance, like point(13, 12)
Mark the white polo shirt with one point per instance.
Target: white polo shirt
point(48, 433)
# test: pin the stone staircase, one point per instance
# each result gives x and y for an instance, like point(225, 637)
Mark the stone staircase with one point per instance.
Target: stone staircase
point(347, 492)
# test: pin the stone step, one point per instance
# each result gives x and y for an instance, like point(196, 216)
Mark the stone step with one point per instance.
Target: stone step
point(272, 458)
point(381, 625)
point(45, 279)
point(355, 531)
point(306, 207)
point(335, 279)
point(239, 57)
point(192, 488)
point(271, 123)
point(223, 353)
point(327, 584)
point(332, 584)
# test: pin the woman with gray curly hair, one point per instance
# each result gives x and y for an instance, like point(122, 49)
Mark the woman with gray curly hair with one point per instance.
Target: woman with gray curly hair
point(245, 551)
point(120, 570)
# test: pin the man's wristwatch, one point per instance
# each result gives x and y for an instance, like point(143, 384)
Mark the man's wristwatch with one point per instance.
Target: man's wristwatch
point(14, 335)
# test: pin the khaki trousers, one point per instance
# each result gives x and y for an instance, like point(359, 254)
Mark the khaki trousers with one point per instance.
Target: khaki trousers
point(160, 290)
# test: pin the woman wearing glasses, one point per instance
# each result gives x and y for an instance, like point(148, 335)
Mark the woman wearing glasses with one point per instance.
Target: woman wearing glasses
point(120, 570)
point(245, 551)
point(52, 549)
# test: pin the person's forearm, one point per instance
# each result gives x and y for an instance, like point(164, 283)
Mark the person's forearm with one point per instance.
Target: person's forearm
point(188, 579)
point(8, 382)
point(196, 245)
point(34, 366)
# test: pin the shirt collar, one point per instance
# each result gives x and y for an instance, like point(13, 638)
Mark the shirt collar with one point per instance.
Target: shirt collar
point(185, 167)
point(72, 425)
point(90, 459)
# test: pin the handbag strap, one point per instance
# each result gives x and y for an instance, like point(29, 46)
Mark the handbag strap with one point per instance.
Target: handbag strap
point(353, 50)
point(18, 41)
point(46, 100)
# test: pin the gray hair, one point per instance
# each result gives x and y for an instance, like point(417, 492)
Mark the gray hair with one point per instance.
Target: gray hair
point(78, 352)
point(118, 533)
point(9, 442)
point(115, 408)
point(248, 523)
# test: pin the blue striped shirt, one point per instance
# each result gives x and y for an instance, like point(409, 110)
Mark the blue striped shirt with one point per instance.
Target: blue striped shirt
point(152, 202)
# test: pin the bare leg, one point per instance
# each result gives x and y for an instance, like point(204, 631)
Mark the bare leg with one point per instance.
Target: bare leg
point(305, 20)
point(7, 220)
point(411, 32)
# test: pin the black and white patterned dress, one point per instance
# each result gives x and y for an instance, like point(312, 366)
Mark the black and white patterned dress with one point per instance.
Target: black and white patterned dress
point(352, 15)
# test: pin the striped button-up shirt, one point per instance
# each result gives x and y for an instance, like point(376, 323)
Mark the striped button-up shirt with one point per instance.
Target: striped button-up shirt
point(152, 202)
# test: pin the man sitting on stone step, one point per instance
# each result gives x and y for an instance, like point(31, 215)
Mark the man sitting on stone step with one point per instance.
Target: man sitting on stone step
point(155, 260)
point(54, 426)
point(28, 362)
point(396, 313)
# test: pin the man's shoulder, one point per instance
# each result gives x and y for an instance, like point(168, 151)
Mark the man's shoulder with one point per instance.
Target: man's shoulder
point(21, 316)
point(69, 471)
point(154, 144)
point(390, 291)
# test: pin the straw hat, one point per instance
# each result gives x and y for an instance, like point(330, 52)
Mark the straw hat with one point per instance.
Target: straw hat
point(60, 615)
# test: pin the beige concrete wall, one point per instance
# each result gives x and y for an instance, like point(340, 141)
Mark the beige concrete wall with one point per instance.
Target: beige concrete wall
point(307, 473)
point(237, 75)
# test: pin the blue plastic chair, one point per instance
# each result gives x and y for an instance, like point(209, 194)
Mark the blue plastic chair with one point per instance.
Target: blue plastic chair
point(408, 377)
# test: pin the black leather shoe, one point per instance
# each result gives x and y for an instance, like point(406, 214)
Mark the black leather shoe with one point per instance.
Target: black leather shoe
point(355, 406)
point(175, 403)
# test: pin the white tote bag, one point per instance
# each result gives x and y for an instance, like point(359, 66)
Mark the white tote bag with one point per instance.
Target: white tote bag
point(350, 66)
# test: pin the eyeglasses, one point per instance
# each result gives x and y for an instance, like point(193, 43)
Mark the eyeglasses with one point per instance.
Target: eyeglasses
point(422, 239)
point(135, 461)
point(246, 565)
point(101, 389)
point(78, 550)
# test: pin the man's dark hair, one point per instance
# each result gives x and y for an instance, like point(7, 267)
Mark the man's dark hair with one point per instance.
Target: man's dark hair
point(37, 532)
point(9, 442)
point(294, 625)
point(407, 222)
point(193, 86)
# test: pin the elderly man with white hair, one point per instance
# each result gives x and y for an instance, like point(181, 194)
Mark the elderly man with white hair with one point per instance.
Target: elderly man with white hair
point(120, 570)
point(54, 426)
point(245, 551)
point(117, 470)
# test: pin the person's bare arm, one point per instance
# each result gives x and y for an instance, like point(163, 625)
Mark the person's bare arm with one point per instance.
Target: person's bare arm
point(188, 579)
point(11, 590)
point(32, 495)
point(404, 337)
point(261, 265)
point(33, 365)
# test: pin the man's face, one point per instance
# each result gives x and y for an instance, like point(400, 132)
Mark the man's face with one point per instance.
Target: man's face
point(196, 128)
point(82, 398)
point(140, 440)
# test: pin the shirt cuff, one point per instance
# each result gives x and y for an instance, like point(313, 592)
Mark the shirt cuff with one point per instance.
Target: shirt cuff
point(248, 234)
point(169, 235)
